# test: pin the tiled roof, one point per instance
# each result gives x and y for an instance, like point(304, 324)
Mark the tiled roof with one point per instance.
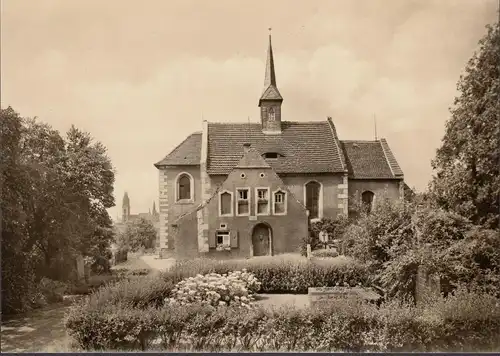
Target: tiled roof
point(305, 147)
point(396, 170)
point(368, 160)
point(252, 159)
point(188, 152)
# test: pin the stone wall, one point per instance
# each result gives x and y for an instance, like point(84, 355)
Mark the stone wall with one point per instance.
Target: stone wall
point(380, 187)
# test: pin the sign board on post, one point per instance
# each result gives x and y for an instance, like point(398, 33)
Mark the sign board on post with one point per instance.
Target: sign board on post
point(331, 294)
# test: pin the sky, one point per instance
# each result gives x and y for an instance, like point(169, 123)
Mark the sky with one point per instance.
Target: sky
point(142, 75)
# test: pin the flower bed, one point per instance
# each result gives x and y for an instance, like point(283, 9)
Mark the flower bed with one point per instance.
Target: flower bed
point(234, 288)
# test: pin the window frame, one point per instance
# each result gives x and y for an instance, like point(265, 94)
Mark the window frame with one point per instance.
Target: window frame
point(271, 114)
point(285, 201)
point(273, 153)
point(269, 201)
point(230, 203)
point(372, 203)
point(249, 200)
point(224, 234)
point(320, 199)
point(177, 190)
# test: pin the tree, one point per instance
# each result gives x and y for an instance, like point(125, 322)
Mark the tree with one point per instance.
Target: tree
point(467, 178)
point(55, 192)
point(138, 234)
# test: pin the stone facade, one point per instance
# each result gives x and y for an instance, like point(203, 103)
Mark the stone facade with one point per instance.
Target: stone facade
point(381, 188)
point(285, 231)
point(322, 176)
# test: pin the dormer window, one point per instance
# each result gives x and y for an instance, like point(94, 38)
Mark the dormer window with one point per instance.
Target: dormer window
point(271, 155)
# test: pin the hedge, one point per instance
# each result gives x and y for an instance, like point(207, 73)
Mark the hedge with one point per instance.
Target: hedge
point(464, 322)
point(278, 276)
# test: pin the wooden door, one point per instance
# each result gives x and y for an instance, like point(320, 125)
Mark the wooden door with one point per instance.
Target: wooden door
point(260, 240)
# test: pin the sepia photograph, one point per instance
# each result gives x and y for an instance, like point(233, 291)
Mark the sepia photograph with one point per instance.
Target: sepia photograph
point(188, 176)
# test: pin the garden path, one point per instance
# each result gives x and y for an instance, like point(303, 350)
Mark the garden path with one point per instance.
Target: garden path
point(43, 330)
point(156, 263)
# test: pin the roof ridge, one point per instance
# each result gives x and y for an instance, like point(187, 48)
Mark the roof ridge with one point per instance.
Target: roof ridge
point(390, 158)
point(359, 141)
point(176, 147)
point(258, 123)
point(337, 144)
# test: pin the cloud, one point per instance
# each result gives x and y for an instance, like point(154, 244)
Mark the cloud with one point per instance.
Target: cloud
point(140, 78)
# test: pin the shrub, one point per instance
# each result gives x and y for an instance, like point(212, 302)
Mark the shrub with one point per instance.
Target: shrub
point(277, 276)
point(136, 292)
point(313, 240)
point(328, 252)
point(464, 322)
point(100, 264)
point(235, 288)
point(120, 255)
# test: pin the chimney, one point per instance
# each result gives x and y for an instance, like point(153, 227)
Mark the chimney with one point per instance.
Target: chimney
point(246, 147)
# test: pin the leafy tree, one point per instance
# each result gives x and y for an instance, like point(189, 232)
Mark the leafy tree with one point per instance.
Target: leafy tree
point(467, 178)
point(55, 192)
point(138, 234)
point(18, 275)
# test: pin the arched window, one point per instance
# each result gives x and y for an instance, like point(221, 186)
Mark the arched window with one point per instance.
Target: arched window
point(271, 115)
point(367, 199)
point(312, 199)
point(184, 187)
point(225, 203)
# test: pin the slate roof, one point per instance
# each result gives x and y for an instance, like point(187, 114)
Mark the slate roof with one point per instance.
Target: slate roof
point(188, 152)
point(370, 160)
point(305, 147)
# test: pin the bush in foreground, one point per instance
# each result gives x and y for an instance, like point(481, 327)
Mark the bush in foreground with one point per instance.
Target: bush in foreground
point(464, 322)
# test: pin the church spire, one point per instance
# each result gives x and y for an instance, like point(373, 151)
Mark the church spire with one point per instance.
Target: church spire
point(154, 208)
point(271, 99)
point(270, 78)
point(125, 207)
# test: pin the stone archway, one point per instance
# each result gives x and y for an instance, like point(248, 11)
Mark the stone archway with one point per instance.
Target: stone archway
point(262, 240)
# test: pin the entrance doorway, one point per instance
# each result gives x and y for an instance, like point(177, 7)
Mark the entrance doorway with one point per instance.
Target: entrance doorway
point(261, 240)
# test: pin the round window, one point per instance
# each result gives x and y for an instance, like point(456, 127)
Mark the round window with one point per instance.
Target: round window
point(243, 175)
point(262, 175)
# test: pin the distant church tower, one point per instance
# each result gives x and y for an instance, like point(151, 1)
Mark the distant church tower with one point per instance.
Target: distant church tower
point(155, 213)
point(125, 208)
point(271, 99)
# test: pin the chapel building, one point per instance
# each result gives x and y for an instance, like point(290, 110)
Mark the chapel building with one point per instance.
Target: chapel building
point(251, 189)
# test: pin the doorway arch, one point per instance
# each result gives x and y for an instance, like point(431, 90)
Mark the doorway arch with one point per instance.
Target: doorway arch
point(262, 240)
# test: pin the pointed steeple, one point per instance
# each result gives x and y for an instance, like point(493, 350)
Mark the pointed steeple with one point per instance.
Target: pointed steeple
point(271, 91)
point(270, 78)
point(154, 208)
point(271, 99)
point(126, 200)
